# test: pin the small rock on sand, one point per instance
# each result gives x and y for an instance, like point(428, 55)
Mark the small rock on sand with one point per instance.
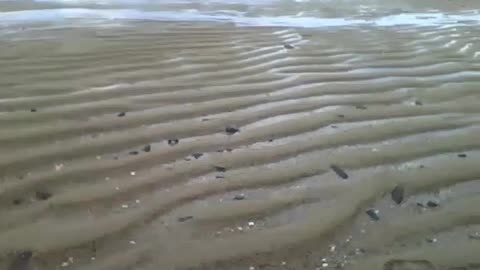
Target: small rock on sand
point(33, 110)
point(197, 155)
point(373, 214)
point(418, 103)
point(220, 169)
point(133, 153)
point(173, 142)
point(42, 195)
point(185, 218)
point(231, 130)
point(147, 148)
point(339, 171)
point(239, 197)
point(432, 204)
point(462, 155)
point(288, 46)
point(397, 194)
point(361, 107)
point(122, 114)
point(17, 201)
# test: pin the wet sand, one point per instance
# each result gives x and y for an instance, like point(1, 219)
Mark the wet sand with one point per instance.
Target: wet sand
point(196, 145)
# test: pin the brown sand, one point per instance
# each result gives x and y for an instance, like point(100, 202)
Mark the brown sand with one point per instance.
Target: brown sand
point(387, 107)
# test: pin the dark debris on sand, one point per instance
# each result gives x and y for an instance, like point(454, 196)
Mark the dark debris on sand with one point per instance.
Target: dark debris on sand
point(220, 169)
point(288, 46)
point(147, 148)
point(418, 103)
point(133, 153)
point(17, 201)
point(197, 155)
point(231, 130)
point(462, 155)
point(373, 214)
point(239, 197)
point(398, 194)
point(173, 142)
point(43, 195)
point(185, 218)
point(33, 110)
point(339, 171)
point(361, 107)
point(122, 114)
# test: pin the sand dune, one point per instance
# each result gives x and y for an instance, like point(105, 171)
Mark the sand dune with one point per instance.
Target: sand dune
point(210, 146)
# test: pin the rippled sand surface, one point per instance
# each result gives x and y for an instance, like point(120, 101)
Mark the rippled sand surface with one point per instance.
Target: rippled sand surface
point(206, 145)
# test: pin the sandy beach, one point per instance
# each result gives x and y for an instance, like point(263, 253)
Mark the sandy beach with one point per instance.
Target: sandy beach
point(227, 141)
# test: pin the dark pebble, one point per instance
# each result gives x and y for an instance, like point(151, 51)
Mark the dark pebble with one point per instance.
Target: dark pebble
point(239, 197)
point(396, 264)
point(172, 142)
point(42, 195)
point(122, 114)
point(183, 219)
point(33, 110)
point(418, 103)
point(288, 46)
point(462, 155)
point(219, 176)
point(270, 140)
point(333, 126)
point(229, 150)
point(205, 119)
point(220, 169)
point(133, 153)
point(147, 148)
point(432, 204)
point(231, 130)
point(17, 201)
point(397, 194)
point(361, 107)
point(187, 159)
point(372, 214)
point(419, 204)
point(431, 240)
point(421, 166)
point(21, 261)
point(341, 116)
point(339, 171)
point(197, 155)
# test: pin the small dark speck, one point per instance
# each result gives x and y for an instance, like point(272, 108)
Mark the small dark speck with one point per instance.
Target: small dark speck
point(42, 195)
point(220, 177)
point(361, 107)
point(133, 153)
point(173, 142)
point(147, 148)
point(333, 126)
point(432, 204)
point(373, 214)
point(239, 197)
point(183, 219)
point(122, 114)
point(197, 155)
point(231, 130)
point(341, 116)
point(288, 46)
point(229, 150)
point(462, 155)
point(17, 201)
point(339, 171)
point(418, 103)
point(421, 166)
point(220, 169)
point(33, 110)
point(187, 159)
point(398, 194)
point(205, 119)
point(270, 140)
point(220, 150)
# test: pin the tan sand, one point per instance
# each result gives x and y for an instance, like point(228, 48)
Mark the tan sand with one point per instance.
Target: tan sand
point(90, 180)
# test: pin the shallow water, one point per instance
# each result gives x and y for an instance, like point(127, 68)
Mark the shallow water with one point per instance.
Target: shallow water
point(239, 135)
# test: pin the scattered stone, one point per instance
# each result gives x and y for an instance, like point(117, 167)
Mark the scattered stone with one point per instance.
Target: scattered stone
point(187, 159)
point(398, 194)
point(418, 103)
point(122, 114)
point(334, 126)
point(21, 261)
point(421, 166)
point(17, 201)
point(341, 115)
point(220, 169)
point(42, 195)
point(373, 214)
point(240, 228)
point(462, 155)
point(205, 119)
point(288, 46)
point(475, 236)
point(220, 177)
point(133, 153)
point(339, 171)
point(397, 264)
point(431, 240)
point(173, 142)
point(251, 223)
point(147, 148)
point(58, 167)
point(197, 155)
point(231, 130)
point(432, 204)
point(229, 150)
point(185, 218)
point(33, 110)
point(361, 107)
point(239, 197)
point(420, 204)
point(270, 140)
